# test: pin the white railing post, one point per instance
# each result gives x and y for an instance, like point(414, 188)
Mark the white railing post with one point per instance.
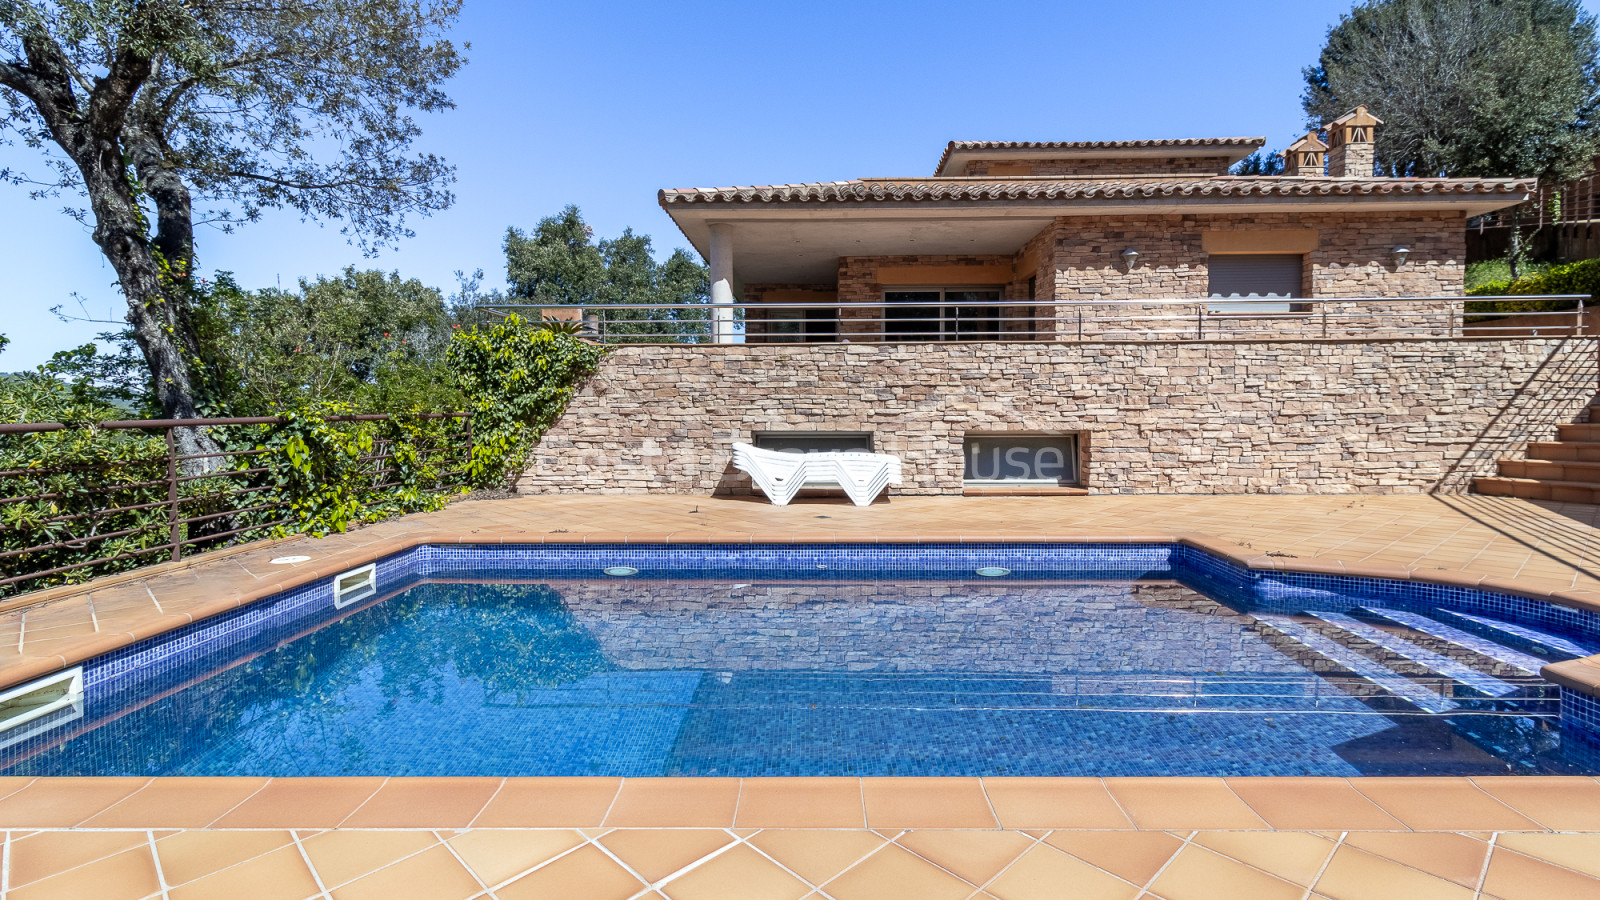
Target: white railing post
point(720, 255)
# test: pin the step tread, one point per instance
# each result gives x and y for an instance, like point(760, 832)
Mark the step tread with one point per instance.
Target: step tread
point(1507, 478)
point(1587, 472)
point(1536, 489)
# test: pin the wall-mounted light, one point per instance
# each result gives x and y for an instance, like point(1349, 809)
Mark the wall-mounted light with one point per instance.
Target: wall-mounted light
point(1399, 254)
point(1131, 257)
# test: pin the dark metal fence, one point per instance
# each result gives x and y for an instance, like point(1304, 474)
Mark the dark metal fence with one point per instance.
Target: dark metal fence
point(146, 502)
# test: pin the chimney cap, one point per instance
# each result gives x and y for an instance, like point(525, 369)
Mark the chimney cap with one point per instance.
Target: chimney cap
point(1355, 117)
point(1308, 143)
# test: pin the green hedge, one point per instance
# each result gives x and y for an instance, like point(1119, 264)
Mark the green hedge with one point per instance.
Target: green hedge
point(1573, 278)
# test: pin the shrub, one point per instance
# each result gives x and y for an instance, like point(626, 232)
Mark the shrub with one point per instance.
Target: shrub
point(518, 380)
point(1573, 278)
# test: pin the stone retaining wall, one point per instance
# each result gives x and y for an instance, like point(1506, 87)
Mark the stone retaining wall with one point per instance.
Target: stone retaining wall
point(1197, 417)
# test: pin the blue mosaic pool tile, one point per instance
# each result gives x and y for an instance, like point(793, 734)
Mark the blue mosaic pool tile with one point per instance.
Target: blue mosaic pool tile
point(808, 560)
point(1580, 713)
point(281, 617)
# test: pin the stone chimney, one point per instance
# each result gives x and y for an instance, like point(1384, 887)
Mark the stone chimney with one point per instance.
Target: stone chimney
point(1350, 142)
point(1304, 157)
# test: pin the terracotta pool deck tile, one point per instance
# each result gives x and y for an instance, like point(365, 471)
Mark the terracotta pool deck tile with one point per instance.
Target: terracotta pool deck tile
point(927, 803)
point(1443, 804)
point(497, 855)
point(1199, 874)
point(1182, 803)
point(1132, 856)
point(800, 803)
point(1044, 873)
point(549, 802)
point(816, 856)
point(177, 803)
point(279, 875)
point(424, 803)
point(894, 873)
point(342, 855)
point(1353, 874)
point(130, 875)
point(656, 853)
point(1054, 803)
point(586, 873)
point(738, 874)
point(1312, 804)
point(1454, 857)
point(190, 855)
point(1558, 803)
point(433, 874)
point(64, 802)
point(1579, 852)
point(976, 856)
point(1294, 856)
point(39, 856)
point(1513, 876)
point(298, 803)
point(675, 802)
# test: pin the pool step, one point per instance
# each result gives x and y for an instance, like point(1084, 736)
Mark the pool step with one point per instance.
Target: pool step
point(1400, 686)
point(1434, 662)
point(1541, 640)
point(1516, 659)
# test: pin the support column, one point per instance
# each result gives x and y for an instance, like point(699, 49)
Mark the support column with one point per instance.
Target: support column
point(721, 259)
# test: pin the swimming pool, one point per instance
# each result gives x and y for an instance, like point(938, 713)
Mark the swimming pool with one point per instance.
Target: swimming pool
point(1136, 659)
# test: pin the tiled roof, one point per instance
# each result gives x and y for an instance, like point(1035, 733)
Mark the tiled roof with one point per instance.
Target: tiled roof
point(935, 190)
point(1175, 143)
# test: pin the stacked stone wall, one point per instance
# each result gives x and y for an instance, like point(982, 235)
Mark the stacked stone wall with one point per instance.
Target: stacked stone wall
point(1353, 257)
point(1154, 417)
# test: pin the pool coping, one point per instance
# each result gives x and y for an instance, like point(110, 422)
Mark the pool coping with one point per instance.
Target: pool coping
point(1581, 675)
point(1400, 810)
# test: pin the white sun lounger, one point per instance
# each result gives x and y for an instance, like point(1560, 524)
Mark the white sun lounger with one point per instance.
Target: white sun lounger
point(863, 476)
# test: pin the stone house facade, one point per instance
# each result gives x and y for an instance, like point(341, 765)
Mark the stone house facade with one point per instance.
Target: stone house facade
point(1063, 318)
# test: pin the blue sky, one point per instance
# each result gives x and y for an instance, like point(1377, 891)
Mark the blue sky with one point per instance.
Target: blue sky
point(601, 104)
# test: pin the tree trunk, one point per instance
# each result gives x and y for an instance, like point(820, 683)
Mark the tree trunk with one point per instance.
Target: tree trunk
point(159, 316)
point(1514, 247)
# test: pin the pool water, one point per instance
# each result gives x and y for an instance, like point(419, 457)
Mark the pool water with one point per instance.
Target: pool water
point(550, 674)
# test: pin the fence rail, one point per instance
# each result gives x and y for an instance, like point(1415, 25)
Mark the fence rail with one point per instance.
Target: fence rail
point(1453, 317)
point(156, 502)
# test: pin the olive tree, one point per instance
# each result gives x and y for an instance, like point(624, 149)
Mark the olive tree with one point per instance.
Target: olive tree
point(162, 115)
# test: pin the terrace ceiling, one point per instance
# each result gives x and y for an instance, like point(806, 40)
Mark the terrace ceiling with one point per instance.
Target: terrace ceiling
point(795, 234)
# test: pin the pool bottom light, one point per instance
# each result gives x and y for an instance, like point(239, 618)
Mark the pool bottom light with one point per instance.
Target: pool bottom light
point(993, 571)
point(621, 571)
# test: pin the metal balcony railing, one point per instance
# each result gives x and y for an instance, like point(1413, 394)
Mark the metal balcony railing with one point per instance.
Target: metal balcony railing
point(1193, 319)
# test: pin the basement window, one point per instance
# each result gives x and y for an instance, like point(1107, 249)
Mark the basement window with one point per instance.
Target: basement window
point(1021, 459)
point(814, 441)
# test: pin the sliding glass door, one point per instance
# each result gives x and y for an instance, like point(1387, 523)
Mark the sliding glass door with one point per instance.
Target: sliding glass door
point(916, 315)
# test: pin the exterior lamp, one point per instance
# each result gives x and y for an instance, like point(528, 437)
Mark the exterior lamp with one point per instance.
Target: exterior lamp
point(1131, 257)
point(1400, 253)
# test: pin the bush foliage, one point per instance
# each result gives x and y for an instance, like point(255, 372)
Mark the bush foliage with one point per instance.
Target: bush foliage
point(1573, 278)
point(310, 474)
point(517, 380)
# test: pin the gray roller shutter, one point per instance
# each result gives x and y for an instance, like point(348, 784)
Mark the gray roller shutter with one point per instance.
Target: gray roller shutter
point(1256, 275)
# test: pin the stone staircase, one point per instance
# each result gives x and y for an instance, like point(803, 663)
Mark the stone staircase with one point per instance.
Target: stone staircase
point(1565, 470)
